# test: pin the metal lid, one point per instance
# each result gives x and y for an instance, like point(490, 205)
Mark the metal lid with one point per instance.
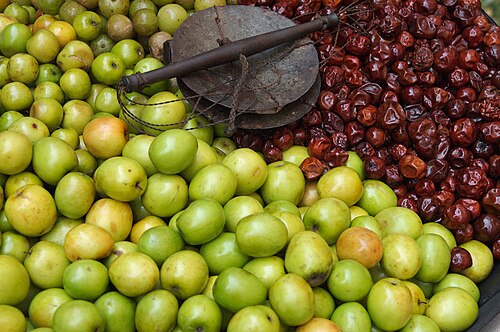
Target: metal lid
point(274, 78)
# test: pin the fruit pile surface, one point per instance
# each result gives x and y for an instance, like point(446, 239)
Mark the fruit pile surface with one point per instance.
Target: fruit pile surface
point(377, 211)
point(415, 94)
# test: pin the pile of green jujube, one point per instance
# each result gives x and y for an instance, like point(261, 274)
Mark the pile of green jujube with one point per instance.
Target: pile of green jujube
point(184, 232)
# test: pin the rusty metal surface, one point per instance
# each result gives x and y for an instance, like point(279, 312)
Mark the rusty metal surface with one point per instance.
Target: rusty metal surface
point(275, 78)
point(291, 112)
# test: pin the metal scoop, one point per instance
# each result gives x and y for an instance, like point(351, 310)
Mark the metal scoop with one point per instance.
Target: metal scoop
point(248, 66)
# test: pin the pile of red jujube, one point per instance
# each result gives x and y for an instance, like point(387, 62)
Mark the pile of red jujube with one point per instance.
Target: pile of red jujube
point(414, 90)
